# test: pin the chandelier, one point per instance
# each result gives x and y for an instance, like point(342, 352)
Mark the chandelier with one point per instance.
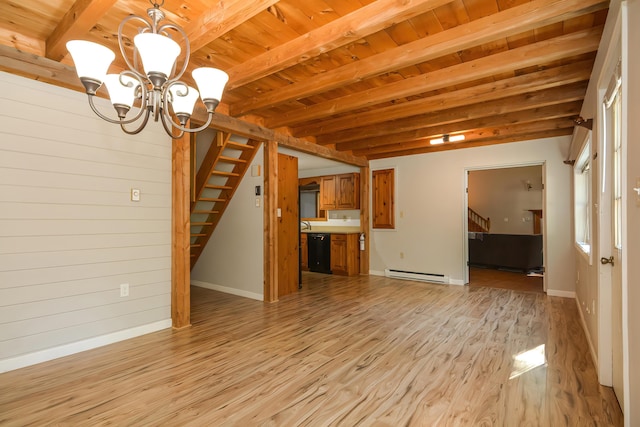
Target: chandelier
point(154, 83)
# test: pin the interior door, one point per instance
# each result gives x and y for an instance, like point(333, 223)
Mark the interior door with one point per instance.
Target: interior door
point(613, 129)
point(288, 225)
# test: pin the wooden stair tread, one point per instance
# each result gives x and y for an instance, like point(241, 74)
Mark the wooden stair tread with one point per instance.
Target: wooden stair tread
point(204, 212)
point(222, 173)
point(238, 146)
point(211, 199)
point(231, 159)
point(198, 234)
point(201, 223)
point(218, 187)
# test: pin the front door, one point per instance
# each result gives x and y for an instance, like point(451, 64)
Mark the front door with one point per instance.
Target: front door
point(613, 173)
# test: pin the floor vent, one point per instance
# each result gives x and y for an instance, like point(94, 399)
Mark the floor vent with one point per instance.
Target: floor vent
point(414, 275)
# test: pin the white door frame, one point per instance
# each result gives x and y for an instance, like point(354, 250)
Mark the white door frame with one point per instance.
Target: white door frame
point(465, 222)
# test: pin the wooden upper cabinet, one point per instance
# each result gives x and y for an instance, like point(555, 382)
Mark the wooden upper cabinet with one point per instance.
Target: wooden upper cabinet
point(340, 191)
point(348, 191)
point(328, 192)
point(383, 211)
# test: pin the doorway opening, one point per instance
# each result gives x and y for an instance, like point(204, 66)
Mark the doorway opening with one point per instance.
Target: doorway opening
point(504, 228)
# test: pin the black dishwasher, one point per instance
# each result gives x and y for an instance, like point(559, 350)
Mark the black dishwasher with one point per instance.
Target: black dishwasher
point(319, 252)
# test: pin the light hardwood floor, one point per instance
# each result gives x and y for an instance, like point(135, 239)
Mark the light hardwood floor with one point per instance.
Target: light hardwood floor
point(504, 280)
point(342, 351)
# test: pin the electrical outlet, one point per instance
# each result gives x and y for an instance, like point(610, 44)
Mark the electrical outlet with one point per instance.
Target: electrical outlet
point(124, 290)
point(135, 194)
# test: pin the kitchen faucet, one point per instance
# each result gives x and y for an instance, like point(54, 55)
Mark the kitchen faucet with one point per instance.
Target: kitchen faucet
point(308, 225)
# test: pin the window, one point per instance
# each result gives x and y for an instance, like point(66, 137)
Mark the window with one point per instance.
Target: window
point(582, 198)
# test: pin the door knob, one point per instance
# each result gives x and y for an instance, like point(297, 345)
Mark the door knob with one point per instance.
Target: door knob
point(609, 260)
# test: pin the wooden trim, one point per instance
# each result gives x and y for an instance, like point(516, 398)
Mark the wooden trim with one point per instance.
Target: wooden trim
point(270, 221)
point(364, 219)
point(180, 239)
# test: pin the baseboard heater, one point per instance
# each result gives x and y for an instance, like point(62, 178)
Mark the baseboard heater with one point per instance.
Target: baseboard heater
point(416, 275)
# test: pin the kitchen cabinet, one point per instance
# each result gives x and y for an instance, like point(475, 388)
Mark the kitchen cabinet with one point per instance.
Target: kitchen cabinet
point(340, 191)
point(345, 255)
point(304, 252)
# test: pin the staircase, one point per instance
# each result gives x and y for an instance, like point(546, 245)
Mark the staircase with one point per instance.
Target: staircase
point(221, 172)
point(477, 223)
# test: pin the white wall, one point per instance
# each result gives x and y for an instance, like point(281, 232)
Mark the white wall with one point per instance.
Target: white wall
point(69, 234)
point(503, 196)
point(232, 261)
point(430, 211)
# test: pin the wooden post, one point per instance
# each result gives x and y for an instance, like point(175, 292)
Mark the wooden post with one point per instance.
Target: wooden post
point(180, 240)
point(270, 221)
point(364, 218)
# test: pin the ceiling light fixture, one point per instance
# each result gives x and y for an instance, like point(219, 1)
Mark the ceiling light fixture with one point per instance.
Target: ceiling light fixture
point(155, 82)
point(447, 138)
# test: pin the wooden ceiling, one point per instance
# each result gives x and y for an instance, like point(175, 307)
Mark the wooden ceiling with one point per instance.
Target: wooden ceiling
point(370, 78)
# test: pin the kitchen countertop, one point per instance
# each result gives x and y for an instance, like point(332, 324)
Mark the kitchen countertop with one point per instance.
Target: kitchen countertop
point(333, 230)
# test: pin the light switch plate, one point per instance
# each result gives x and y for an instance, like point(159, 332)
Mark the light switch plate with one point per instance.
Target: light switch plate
point(135, 194)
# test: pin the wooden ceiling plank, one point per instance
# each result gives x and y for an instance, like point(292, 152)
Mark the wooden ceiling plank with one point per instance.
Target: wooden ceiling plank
point(531, 55)
point(22, 42)
point(77, 22)
point(519, 137)
point(478, 134)
point(537, 81)
point(501, 106)
point(567, 109)
point(223, 17)
point(362, 22)
point(501, 25)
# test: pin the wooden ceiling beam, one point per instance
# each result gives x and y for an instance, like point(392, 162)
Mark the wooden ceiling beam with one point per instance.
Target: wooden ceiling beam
point(480, 143)
point(567, 109)
point(53, 72)
point(76, 23)
point(534, 54)
point(452, 116)
point(223, 17)
point(482, 134)
point(369, 19)
point(532, 82)
point(512, 21)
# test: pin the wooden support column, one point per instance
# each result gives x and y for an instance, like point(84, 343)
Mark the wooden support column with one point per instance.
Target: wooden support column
point(180, 226)
point(364, 218)
point(270, 221)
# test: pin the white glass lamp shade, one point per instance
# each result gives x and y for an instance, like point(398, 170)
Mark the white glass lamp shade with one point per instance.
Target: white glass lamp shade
point(181, 100)
point(210, 81)
point(121, 94)
point(92, 60)
point(158, 53)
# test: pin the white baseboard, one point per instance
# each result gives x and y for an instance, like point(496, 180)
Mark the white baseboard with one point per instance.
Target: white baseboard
point(594, 354)
point(227, 290)
point(76, 347)
point(563, 294)
point(456, 282)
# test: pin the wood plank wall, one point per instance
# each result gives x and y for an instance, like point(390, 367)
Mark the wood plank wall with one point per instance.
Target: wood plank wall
point(69, 234)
